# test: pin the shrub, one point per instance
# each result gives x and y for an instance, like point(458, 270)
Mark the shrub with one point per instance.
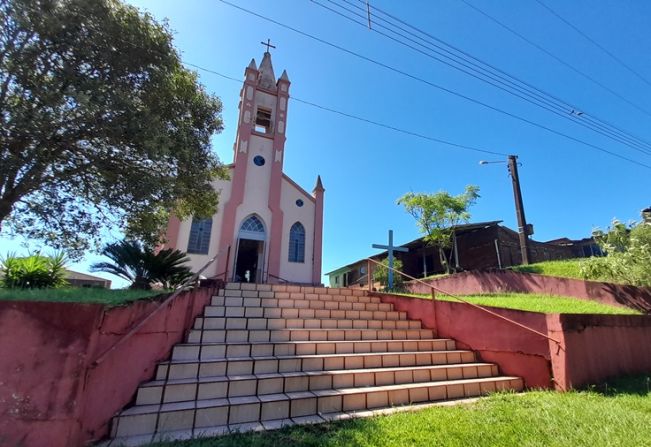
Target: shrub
point(35, 271)
point(628, 255)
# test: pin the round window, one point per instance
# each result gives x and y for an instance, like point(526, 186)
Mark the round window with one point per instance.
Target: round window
point(299, 203)
point(258, 160)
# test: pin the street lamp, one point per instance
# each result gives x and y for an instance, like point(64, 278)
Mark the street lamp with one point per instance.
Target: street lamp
point(523, 229)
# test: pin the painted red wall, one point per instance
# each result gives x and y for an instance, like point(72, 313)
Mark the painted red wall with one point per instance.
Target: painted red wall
point(517, 351)
point(51, 393)
point(598, 347)
point(592, 348)
point(493, 281)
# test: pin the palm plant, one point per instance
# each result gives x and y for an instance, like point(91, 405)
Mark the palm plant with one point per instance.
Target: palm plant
point(142, 266)
point(167, 267)
point(35, 271)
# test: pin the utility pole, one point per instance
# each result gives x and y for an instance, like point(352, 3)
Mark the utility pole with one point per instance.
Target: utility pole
point(523, 229)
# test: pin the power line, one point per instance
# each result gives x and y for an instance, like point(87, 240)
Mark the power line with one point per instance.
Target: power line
point(419, 79)
point(570, 108)
point(506, 83)
point(360, 118)
point(414, 77)
point(328, 109)
point(595, 43)
point(558, 59)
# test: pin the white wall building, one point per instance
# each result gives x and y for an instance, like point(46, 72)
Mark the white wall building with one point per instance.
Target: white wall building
point(266, 228)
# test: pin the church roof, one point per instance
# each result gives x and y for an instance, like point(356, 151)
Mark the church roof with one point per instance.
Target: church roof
point(267, 76)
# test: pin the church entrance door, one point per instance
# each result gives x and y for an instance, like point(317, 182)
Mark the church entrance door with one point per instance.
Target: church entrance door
point(250, 255)
point(249, 262)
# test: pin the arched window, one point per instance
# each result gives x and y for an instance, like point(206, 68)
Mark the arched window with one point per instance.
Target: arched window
point(252, 228)
point(297, 243)
point(200, 236)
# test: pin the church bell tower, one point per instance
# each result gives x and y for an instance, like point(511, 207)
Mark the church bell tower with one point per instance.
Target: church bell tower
point(258, 163)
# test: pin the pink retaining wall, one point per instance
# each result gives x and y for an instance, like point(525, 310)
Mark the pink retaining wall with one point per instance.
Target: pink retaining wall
point(592, 347)
point(493, 281)
point(518, 352)
point(51, 391)
point(600, 346)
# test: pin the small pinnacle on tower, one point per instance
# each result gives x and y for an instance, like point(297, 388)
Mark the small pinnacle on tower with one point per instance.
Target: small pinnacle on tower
point(319, 186)
point(284, 77)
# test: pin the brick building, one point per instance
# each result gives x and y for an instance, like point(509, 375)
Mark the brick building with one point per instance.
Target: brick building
point(482, 245)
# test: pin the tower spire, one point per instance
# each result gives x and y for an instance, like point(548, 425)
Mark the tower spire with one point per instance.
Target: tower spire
point(267, 76)
point(319, 185)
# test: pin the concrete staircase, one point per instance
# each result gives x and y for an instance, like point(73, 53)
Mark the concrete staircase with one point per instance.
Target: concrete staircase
point(265, 356)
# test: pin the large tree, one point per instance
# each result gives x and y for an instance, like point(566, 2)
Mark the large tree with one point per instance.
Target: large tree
point(437, 216)
point(100, 124)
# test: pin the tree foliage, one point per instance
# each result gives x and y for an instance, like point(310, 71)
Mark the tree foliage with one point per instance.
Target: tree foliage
point(437, 216)
point(100, 124)
point(628, 254)
point(142, 266)
point(381, 273)
point(35, 271)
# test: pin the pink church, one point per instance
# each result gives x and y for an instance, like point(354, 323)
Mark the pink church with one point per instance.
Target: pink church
point(266, 228)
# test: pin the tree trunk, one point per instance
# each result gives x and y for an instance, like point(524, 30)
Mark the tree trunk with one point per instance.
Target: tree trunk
point(444, 261)
point(5, 210)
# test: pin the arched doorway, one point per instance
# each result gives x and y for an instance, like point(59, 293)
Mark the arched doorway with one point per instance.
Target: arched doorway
point(249, 262)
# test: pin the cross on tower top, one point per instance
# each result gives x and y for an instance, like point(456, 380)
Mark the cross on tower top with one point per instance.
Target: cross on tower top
point(268, 45)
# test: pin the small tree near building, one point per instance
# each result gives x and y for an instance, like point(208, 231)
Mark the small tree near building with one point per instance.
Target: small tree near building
point(381, 274)
point(437, 216)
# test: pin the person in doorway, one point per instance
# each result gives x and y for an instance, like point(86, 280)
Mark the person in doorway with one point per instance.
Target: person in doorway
point(247, 276)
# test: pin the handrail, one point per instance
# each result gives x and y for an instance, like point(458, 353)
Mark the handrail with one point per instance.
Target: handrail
point(495, 314)
point(142, 322)
point(358, 280)
point(277, 277)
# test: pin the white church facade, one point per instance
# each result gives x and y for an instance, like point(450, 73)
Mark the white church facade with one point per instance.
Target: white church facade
point(266, 228)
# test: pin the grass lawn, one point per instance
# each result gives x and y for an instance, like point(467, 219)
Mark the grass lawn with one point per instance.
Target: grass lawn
point(538, 303)
point(621, 416)
point(544, 304)
point(79, 295)
point(569, 268)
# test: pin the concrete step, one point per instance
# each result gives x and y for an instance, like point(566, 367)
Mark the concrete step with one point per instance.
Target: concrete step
point(224, 412)
point(209, 323)
point(294, 289)
point(204, 351)
point(280, 335)
point(179, 390)
point(188, 369)
point(295, 312)
point(338, 303)
point(332, 296)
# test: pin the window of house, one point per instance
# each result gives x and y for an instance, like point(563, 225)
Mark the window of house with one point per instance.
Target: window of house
point(263, 121)
point(200, 236)
point(297, 243)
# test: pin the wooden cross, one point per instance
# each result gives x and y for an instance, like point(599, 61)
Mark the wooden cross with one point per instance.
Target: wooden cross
point(268, 45)
point(390, 249)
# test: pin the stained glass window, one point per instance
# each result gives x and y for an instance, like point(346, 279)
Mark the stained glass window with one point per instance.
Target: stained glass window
point(199, 241)
point(297, 243)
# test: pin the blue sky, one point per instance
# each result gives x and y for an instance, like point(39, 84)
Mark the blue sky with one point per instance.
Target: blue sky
point(568, 187)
